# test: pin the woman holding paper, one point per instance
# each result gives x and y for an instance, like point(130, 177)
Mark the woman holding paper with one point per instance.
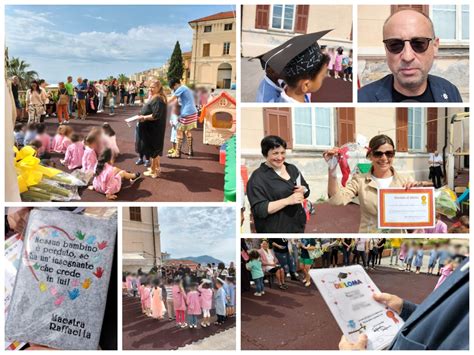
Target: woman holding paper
point(152, 128)
point(276, 191)
point(381, 152)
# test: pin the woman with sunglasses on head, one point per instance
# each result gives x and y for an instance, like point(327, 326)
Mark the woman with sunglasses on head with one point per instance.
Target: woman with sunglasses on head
point(381, 152)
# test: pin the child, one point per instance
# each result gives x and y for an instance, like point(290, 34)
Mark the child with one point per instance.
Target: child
point(66, 139)
point(58, 139)
point(194, 306)
point(169, 299)
point(255, 267)
point(45, 139)
point(338, 62)
point(419, 257)
point(409, 258)
point(445, 272)
point(230, 296)
point(403, 254)
point(62, 105)
point(74, 153)
point(443, 257)
point(347, 65)
point(220, 302)
point(109, 140)
point(145, 297)
point(440, 226)
point(332, 60)
point(157, 305)
point(174, 124)
point(108, 179)
point(89, 159)
point(206, 302)
point(433, 258)
point(30, 134)
point(270, 88)
point(179, 303)
point(19, 134)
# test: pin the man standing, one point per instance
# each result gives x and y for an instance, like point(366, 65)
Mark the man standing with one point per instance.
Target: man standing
point(187, 119)
point(410, 47)
point(395, 249)
point(436, 173)
point(81, 91)
point(70, 92)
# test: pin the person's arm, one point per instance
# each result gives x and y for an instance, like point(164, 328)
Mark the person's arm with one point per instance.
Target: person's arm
point(172, 99)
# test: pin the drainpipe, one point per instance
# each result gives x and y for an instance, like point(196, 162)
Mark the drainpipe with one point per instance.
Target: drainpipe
point(445, 142)
point(153, 233)
point(195, 54)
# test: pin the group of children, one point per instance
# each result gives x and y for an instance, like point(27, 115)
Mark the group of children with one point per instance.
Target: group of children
point(412, 253)
point(340, 65)
point(94, 155)
point(172, 299)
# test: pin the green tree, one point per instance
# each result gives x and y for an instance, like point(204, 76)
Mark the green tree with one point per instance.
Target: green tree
point(176, 67)
point(123, 79)
point(19, 68)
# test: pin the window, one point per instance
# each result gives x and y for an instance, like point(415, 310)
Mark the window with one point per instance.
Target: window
point(283, 17)
point(416, 125)
point(313, 127)
point(226, 48)
point(228, 27)
point(135, 214)
point(206, 49)
point(208, 28)
point(451, 22)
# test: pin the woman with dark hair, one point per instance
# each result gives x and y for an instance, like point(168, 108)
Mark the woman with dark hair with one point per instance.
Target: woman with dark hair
point(381, 152)
point(35, 102)
point(151, 129)
point(276, 191)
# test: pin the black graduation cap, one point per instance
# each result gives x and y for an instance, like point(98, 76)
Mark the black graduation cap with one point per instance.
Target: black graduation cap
point(297, 55)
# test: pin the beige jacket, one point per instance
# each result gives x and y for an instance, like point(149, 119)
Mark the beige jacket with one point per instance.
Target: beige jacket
point(365, 188)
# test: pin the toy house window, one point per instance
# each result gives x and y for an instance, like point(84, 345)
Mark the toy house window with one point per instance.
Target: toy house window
point(222, 120)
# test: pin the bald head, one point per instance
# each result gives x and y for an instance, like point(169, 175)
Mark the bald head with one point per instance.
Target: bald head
point(408, 18)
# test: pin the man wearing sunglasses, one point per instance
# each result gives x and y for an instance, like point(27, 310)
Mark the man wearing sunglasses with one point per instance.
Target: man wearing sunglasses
point(410, 47)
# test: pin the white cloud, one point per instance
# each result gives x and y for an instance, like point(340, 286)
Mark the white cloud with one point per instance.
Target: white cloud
point(33, 38)
point(98, 18)
point(42, 17)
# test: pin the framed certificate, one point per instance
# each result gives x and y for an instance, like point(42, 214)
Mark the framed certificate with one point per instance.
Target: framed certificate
point(400, 208)
point(348, 292)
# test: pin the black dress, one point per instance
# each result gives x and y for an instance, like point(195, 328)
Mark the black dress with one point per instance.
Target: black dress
point(151, 134)
point(265, 186)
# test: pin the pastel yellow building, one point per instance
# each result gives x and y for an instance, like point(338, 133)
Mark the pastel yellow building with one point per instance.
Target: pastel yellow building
point(141, 247)
point(309, 131)
point(451, 25)
point(267, 26)
point(213, 58)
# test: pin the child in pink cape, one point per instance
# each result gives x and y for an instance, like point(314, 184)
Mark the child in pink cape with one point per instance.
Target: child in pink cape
point(194, 305)
point(206, 302)
point(445, 272)
point(74, 153)
point(157, 305)
point(179, 303)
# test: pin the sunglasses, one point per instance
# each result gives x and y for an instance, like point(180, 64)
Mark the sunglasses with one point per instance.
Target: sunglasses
point(418, 44)
point(378, 154)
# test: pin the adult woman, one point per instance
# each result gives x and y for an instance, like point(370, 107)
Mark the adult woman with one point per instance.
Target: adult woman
point(151, 130)
point(276, 191)
point(112, 90)
point(306, 245)
point(381, 153)
point(35, 101)
point(270, 264)
point(380, 249)
point(346, 250)
point(132, 92)
point(141, 93)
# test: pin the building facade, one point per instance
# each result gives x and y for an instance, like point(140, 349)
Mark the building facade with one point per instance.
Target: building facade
point(213, 58)
point(451, 25)
point(266, 26)
point(309, 131)
point(141, 247)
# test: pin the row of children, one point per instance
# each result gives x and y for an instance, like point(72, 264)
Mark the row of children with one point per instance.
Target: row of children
point(94, 155)
point(412, 253)
point(340, 65)
point(172, 298)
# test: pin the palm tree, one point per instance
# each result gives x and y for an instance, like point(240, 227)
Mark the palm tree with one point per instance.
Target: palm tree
point(123, 79)
point(18, 67)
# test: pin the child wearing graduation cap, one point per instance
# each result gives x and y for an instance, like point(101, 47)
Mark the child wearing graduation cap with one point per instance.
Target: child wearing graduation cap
point(300, 64)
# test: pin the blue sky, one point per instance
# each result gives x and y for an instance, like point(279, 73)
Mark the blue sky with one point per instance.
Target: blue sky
point(194, 231)
point(96, 41)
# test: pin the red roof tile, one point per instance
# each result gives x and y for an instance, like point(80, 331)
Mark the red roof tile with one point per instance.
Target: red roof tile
point(218, 16)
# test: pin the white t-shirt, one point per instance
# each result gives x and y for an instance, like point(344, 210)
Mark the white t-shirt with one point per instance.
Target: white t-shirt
point(270, 259)
point(436, 160)
point(383, 183)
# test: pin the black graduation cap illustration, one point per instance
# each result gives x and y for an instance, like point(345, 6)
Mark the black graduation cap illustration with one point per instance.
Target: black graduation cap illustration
point(297, 55)
point(342, 276)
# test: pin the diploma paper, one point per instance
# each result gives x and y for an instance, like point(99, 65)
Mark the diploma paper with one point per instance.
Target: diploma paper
point(348, 293)
point(131, 119)
point(406, 209)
